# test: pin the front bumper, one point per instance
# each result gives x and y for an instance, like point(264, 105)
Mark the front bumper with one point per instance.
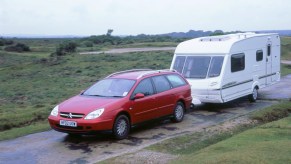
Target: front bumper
point(83, 126)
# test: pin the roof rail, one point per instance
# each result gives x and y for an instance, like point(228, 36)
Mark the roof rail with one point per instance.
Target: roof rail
point(156, 71)
point(126, 71)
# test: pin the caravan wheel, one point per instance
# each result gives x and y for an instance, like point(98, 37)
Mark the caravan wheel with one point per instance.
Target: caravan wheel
point(253, 97)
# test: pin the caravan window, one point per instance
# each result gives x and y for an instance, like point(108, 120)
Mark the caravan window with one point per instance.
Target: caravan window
point(196, 67)
point(215, 66)
point(237, 62)
point(269, 50)
point(259, 55)
point(179, 63)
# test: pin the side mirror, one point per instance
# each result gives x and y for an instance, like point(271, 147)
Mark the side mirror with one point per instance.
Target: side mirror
point(139, 96)
point(82, 91)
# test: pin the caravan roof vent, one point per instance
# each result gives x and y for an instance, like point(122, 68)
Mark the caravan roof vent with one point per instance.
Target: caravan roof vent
point(214, 39)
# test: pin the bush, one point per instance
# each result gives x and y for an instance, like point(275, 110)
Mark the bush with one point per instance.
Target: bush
point(19, 47)
point(65, 48)
point(4, 42)
point(87, 43)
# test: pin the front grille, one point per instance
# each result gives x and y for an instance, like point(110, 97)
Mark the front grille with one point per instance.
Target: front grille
point(71, 115)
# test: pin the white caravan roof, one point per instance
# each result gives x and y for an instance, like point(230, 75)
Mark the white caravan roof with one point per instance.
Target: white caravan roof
point(214, 44)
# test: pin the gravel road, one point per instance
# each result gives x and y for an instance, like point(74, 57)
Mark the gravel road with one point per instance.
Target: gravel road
point(127, 50)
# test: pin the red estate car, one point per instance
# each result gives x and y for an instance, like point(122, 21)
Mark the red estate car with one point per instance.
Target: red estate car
point(121, 100)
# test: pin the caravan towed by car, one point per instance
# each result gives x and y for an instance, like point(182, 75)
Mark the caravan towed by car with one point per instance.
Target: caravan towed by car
point(223, 68)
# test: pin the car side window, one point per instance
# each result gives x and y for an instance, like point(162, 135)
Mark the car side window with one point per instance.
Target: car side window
point(145, 87)
point(161, 83)
point(175, 80)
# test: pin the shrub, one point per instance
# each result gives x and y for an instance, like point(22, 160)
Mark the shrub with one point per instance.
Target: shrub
point(4, 42)
point(19, 47)
point(87, 43)
point(65, 48)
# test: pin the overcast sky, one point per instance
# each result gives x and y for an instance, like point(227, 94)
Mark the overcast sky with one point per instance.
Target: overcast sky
point(131, 17)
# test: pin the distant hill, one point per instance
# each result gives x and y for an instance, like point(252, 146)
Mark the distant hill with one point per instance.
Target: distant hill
point(201, 33)
point(280, 32)
point(189, 34)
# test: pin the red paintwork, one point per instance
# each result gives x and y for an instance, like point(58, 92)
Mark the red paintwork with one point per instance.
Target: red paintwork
point(139, 110)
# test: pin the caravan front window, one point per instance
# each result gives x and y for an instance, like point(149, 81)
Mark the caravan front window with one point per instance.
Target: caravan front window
point(179, 63)
point(196, 67)
point(199, 67)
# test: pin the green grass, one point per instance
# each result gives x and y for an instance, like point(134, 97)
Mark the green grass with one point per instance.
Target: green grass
point(269, 143)
point(286, 48)
point(192, 143)
point(30, 129)
point(31, 84)
point(273, 112)
point(285, 69)
point(238, 145)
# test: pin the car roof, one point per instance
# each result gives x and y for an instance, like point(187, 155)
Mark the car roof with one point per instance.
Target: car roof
point(139, 73)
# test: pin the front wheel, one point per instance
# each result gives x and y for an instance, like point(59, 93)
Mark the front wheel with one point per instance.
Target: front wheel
point(253, 97)
point(121, 127)
point(179, 112)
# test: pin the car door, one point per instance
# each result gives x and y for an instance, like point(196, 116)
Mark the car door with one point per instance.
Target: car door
point(165, 98)
point(143, 108)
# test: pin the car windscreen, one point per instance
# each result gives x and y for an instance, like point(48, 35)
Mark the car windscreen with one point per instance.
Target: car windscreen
point(199, 67)
point(110, 88)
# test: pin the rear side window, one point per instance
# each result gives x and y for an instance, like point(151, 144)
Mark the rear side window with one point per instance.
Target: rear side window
point(237, 62)
point(179, 63)
point(145, 87)
point(161, 83)
point(176, 80)
point(259, 55)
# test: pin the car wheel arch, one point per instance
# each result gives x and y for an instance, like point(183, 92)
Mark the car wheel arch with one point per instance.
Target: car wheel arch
point(183, 102)
point(124, 113)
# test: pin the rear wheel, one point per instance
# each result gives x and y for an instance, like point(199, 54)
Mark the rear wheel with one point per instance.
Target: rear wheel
point(121, 127)
point(179, 112)
point(253, 97)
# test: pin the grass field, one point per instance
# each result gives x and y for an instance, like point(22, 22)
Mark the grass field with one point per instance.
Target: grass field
point(269, 143)
point(32, 83)
point(286, 48)
point(31, 86)
point(238, 145)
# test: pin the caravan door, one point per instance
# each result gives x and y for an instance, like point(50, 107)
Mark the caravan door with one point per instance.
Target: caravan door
point(269, 64)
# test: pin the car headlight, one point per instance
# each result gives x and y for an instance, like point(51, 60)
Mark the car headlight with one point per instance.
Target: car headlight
point(55, 111)
point(94, 114)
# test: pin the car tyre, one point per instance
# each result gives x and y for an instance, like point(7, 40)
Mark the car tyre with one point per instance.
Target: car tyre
point(253, 97)
point(179, 112)
point(121, 127)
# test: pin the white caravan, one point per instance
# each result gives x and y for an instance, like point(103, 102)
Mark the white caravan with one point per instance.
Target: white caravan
point(224, 68)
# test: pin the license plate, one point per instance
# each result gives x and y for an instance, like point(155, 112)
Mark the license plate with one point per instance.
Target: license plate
point(68, 123)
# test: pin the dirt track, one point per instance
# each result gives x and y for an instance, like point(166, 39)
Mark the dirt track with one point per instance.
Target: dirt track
point(127, 50)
